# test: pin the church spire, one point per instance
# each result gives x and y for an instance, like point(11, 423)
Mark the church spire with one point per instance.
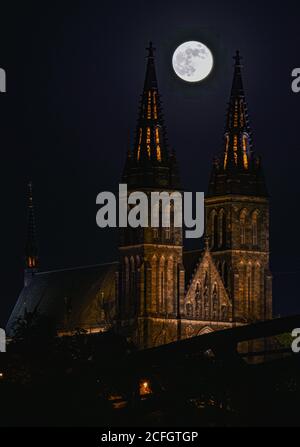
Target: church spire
point(150, 164)
point(150, 144)
point(237, 170)
point(31, 251)
point(237, 151)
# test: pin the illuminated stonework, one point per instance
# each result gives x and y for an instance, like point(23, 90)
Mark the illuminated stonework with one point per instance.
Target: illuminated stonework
point(157, 293)
point(161, 298)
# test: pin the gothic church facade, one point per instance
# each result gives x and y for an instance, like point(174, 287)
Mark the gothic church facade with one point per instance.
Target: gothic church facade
point(156, 292)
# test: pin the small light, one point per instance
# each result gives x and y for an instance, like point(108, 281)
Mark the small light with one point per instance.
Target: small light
point(145, 388)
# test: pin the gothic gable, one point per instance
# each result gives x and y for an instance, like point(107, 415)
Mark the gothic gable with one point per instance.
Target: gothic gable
point(206, 297)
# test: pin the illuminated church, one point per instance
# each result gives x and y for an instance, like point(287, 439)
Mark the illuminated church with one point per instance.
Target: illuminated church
point(156, 292)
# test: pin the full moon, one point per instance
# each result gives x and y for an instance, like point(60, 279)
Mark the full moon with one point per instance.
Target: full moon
point(192, 61)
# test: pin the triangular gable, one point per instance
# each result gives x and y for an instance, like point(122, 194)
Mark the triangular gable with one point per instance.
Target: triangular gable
point(206, 297)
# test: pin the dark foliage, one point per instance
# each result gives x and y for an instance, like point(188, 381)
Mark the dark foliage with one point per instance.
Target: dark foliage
point(92, 380)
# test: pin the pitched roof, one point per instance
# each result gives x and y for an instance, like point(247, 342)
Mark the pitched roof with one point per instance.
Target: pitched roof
point(72, 298)
point(77, 297)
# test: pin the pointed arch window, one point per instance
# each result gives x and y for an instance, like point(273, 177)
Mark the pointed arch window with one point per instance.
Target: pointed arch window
point(215, 298)
point(162, 284)
point(154, 282)
point(215, 303)
point(214, 227)
point(249, 286)
point(189, 310)
point(243, 227)
point(162, 290)
point(255, 229)
point(132, 281)
point(206, 293)
point(222, 229)
point(197, 293)
point(198, 299)
point(167, 234)
point(155, 233)
point(224, 313)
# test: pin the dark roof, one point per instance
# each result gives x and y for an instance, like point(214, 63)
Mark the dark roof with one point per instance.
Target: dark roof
point(72, 297)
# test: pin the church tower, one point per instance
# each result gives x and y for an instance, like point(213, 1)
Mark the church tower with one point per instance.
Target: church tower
point(31, 251)
point(151, 275)
point(237, 214)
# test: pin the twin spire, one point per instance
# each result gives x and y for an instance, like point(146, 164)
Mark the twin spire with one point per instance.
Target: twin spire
point(150, 144)
point(149, 163)
point(237, 170)
point(237, 152)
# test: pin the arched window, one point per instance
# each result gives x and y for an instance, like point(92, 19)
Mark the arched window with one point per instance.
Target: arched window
point(162, 290)
point(162, 284)
point(132, 281)
point(189, 310)
point(197, 293)
point(249, 288)
point(198, 299)
point(126, 276)
point(225, 274)
point(169, 285)
point(249, 291)
point(214, 229)
point(206, 283)
point(215, 298)
point(222, 229)
point(224, 313)
point(243, 227)
point(255, 229)
point(206, 296)
point(155, 302)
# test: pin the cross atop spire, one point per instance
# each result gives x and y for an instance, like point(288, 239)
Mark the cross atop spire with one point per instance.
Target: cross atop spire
point(31, 250)
point(150, 78)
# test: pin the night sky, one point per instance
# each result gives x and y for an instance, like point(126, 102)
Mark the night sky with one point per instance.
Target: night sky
point(74, 76)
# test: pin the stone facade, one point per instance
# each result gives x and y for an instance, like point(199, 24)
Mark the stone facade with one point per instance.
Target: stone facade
point(156, 293)
point(238, 229)
point(159, 301)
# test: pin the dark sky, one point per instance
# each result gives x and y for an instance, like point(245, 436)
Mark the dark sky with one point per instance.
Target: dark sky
point(74, 76)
